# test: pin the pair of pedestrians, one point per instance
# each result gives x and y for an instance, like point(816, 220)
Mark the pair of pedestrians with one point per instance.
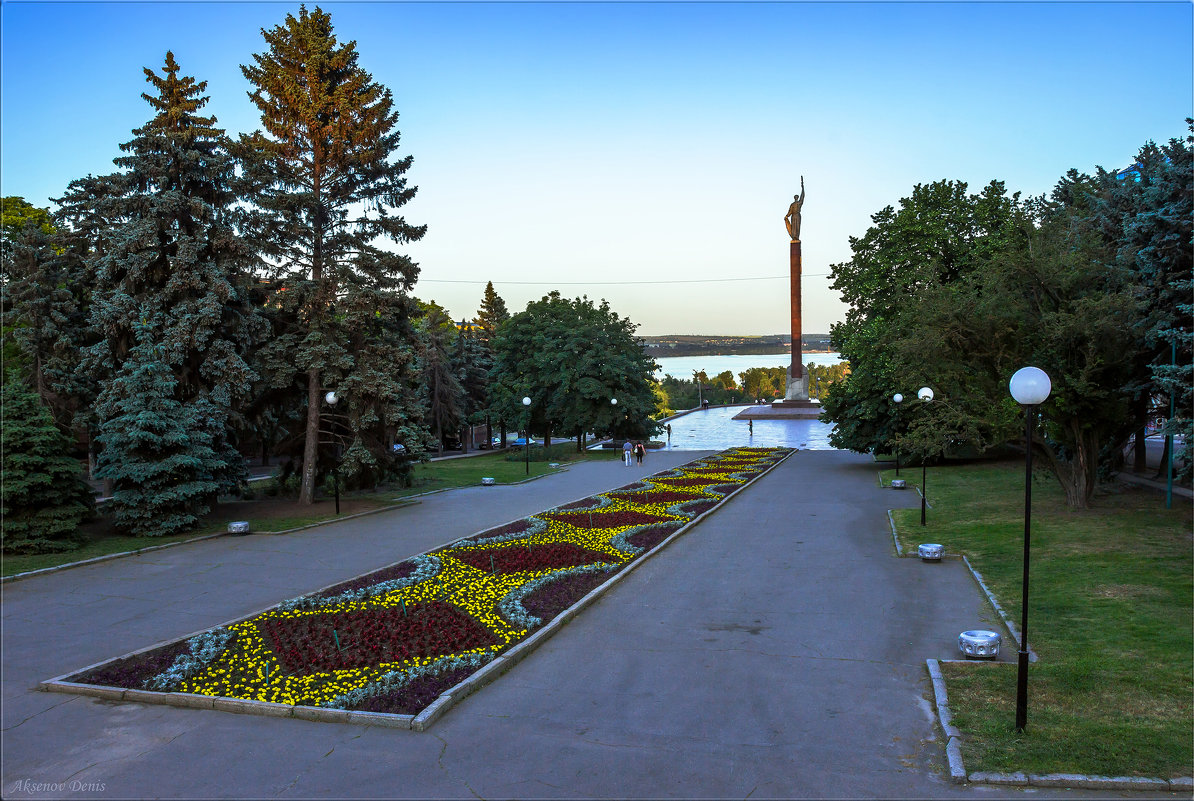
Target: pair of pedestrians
point(634, 450)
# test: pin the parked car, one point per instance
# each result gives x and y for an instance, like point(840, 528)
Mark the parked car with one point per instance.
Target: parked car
point(523, 441)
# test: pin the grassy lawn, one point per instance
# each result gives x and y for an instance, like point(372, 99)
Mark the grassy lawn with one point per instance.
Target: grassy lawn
point(270, 513)
point(1111, 610)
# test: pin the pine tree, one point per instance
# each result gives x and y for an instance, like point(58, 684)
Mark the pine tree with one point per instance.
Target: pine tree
point(43, 494)
point(324, 190)
point(156, 451)
point(172, 255)
point(492, 314)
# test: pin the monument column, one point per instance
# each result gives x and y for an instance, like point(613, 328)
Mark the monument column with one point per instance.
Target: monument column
point(797, 389)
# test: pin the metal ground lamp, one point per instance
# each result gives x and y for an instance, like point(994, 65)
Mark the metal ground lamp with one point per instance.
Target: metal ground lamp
point(1030, 386)
point(527, 439)
point(925, 394)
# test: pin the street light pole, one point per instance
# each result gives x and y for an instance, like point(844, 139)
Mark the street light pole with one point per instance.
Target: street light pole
point(332, 398)
point(898, 399)
point(526, 442)
point(925, 394)
point(1030, 387)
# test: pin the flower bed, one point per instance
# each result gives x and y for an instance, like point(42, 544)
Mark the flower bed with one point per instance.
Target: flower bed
point(395, 639)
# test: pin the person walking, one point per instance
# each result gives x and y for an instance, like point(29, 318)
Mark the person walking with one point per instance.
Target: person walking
point(751, 425)
point(640, 451)
point(626, 449)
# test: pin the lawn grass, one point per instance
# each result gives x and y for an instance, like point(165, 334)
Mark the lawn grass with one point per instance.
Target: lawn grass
point(271, 514)
point(1111, 610)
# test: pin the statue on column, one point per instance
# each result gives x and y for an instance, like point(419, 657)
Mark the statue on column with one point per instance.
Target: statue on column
point(792, 218)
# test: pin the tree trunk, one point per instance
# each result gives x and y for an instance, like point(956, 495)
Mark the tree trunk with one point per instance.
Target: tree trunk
point(503, 424)
point(579, 438)
point(1162, 472)
point(311, 445)
point(547, 437)
point(1140, 453)
point(488, 432)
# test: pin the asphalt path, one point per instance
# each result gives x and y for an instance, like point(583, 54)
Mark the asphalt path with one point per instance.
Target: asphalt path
point(775, 650)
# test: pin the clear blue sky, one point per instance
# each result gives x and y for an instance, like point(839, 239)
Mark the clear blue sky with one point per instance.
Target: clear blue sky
point(627, 142)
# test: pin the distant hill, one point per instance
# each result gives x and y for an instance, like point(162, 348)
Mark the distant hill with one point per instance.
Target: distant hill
point(694, 345)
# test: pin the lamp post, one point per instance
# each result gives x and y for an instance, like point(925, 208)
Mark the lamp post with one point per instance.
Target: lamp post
point(1030, 387)
point(897, 399)
point(925, 394)
point(526, 442)
point(332, 399)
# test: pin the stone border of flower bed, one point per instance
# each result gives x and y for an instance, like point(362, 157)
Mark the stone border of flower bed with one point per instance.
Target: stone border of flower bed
point(1077, 781)
point(428, 715)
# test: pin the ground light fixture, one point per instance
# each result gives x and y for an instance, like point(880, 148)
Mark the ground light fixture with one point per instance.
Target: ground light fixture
point(527, 439)
point(897, 399)
point(925, 394)
point(1030, 387)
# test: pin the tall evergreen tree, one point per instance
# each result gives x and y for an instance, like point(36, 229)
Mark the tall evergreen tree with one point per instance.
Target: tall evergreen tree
point(324, 187)
point(43, 497)
point(175, 257)
point(156, 450)
point(491, 315)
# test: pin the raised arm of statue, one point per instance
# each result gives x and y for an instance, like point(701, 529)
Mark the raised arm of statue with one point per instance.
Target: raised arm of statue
point(792, 218)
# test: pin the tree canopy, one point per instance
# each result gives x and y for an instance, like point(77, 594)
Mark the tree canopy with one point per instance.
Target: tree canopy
point(572, 358)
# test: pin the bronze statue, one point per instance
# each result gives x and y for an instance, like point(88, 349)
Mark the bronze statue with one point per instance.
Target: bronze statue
point(792, 218)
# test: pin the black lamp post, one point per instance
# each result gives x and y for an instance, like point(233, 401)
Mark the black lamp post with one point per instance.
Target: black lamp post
point(1030, 387)
point(925, 394)
point(898, 399)
point(527, 439)
point(332, 399)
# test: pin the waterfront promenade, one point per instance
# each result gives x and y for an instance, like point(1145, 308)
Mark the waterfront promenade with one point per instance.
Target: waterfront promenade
point(776, 650)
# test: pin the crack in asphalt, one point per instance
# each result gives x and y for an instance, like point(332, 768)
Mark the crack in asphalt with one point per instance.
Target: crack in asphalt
point(122, 758)
point(35, 714)
point(439, 760)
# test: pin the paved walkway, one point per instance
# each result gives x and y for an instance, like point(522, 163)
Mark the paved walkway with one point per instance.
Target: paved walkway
point(776, 650)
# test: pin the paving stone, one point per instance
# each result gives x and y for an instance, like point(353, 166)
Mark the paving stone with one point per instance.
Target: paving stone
point(1013, 779)
point(953, 752)
point(432, 713)
point(244, 707)
point(321, 714)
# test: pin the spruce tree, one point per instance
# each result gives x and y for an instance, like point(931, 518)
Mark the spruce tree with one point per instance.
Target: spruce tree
point(325, 189)
point(172, 255)
point(493, 313)
point(156, 450)
point(43, 496)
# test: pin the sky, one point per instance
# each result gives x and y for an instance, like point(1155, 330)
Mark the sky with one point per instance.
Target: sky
point(642, 152)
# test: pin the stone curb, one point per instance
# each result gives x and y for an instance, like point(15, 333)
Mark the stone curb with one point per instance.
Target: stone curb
point(1011, 627)
point(323, 714)
point(106, 557)
point(138, 551)
point(408, 501)
point(1075, 781)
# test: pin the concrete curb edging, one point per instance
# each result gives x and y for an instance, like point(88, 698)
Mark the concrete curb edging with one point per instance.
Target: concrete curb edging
point(958, 774)
point(419, 722)
point(106, 557)
point(895, 537)
point(408, 501)
point(1011, 627)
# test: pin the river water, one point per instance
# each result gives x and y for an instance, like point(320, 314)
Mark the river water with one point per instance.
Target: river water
point(714, 430)
point(683, 366)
